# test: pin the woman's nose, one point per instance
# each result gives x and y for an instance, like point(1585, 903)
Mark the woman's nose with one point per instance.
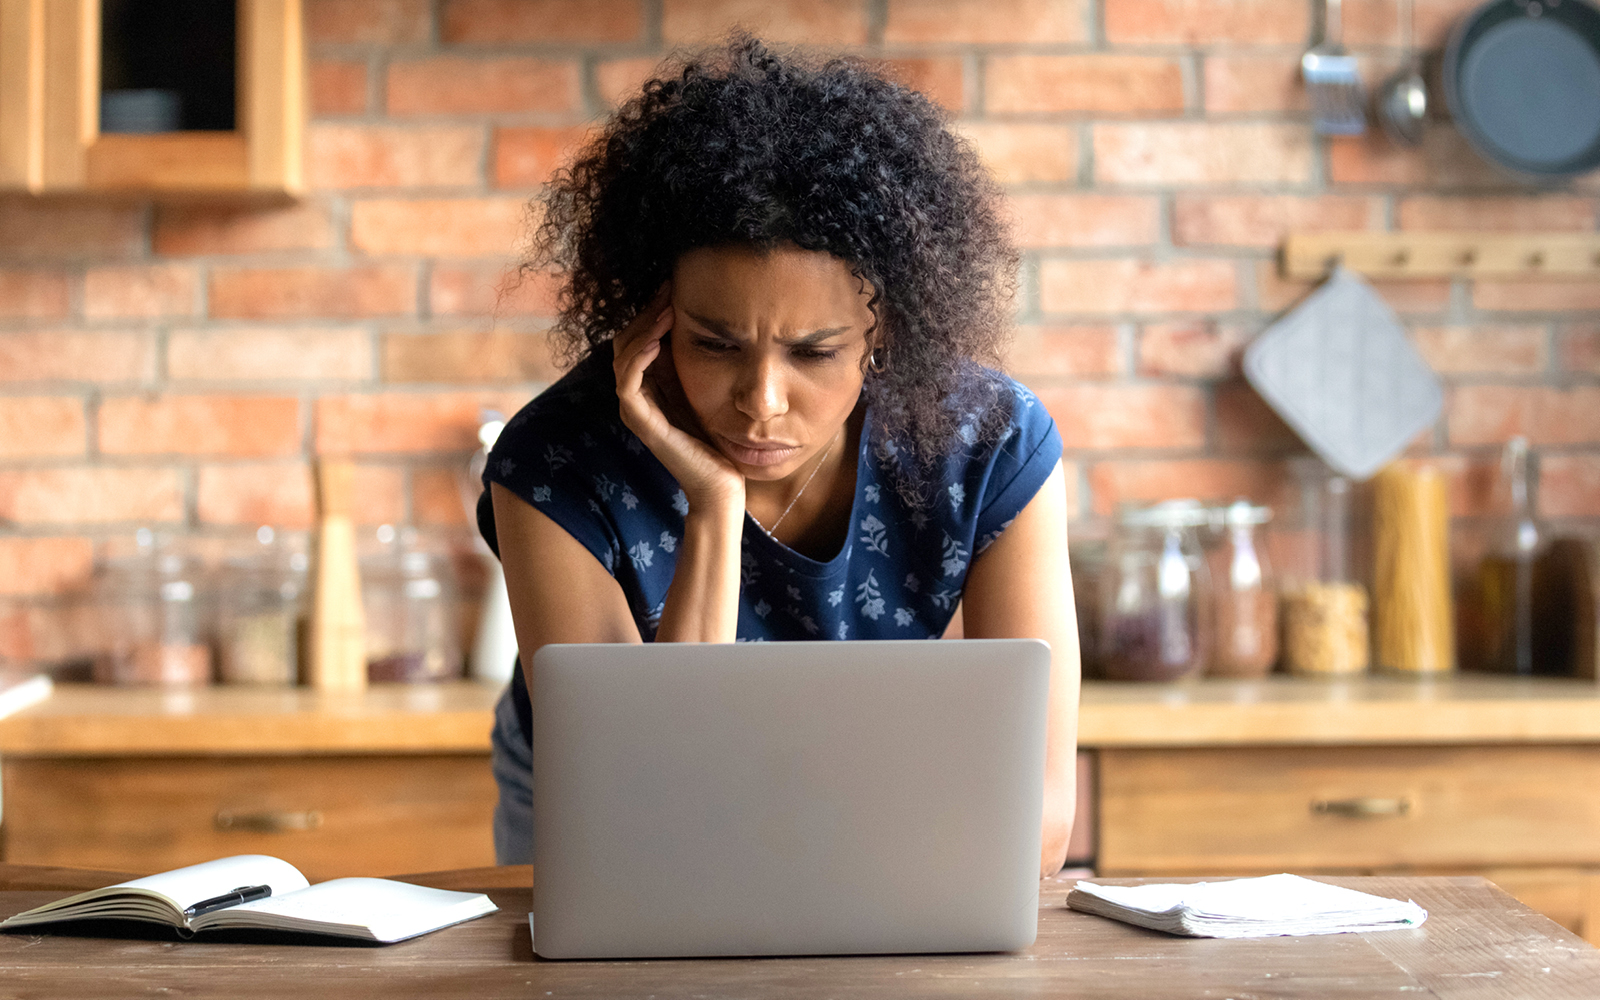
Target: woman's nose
point(760, 393)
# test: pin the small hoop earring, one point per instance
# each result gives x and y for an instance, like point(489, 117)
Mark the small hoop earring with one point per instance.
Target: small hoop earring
point(876, 365)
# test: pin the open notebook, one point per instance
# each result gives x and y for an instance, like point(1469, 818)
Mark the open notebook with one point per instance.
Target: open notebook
point(371, 909)
point(1269, 906)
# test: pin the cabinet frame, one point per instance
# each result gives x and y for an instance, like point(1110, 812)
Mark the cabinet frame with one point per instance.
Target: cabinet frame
point(50, 139)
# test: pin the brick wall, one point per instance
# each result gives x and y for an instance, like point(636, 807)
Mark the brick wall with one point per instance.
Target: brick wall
point(180, 365)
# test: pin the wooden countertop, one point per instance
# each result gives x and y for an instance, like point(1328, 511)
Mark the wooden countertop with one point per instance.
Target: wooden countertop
point(455, 718)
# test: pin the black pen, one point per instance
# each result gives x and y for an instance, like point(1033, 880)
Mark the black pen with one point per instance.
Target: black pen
point(243, 894)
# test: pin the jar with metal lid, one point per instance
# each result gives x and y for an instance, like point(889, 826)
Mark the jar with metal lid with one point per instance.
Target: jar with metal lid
point(409, 598)
point(1155, 607)
point(1246, 593)
point(261, 612)
point(155, 619)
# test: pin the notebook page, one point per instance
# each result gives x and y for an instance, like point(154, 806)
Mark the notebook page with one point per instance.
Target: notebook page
point(188, 886)
point(392, 910)
point(1271, 897)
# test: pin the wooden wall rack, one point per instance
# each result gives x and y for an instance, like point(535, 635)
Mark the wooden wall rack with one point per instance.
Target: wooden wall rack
point(1436, 255)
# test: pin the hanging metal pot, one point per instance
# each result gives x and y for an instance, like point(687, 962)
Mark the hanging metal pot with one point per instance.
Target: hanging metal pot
point(1522, 80)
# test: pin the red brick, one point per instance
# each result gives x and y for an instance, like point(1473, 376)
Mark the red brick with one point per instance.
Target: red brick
point(252, 354)
point(380, 494)
point(986, 22)
point(1239, 82)
point(508, 22)
point(90, 495)
point(1536, 295)
point(1085, 220)
point(617, 80)
point(76, 356)
point(38, 566)
point(396, 422)
point(244, 426)
point(527, 157)
point(1275, 292)
point(1492, 414)
point(1569, 486)
point(1191, 349)
point(1202, 153)
point(1199, 22)
point(1505, 214)
point(357, 156)
point(1463, 350)
point(1473, 490)
point(1580, 349)
point(1264, 220)
point(156, 290)
point(454, 85)
point(1086, 351)
point(802, 22)
point(1371, 22)
point(1112, 483)
point(254, 493)
point(460, 227)
point(40, 426)
point(337, 87)
point(1108, 84)
point(369, 22)
point(33, 295)
point(436, 497)
point(1102, 417)
point(265, 293)
point(68, 230)
point(468, 357)
point(1443, 160)
point(942, 79)
point(1121, 286)
point(1018, 153)
point(1247, 425)
point(491, 291)
point(231, 230)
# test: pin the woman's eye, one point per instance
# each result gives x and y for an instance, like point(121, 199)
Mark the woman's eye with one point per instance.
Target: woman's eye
point(816, 353)
point(713, 346)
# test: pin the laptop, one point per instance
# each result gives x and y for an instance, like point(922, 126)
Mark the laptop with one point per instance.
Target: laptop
point(787, 798)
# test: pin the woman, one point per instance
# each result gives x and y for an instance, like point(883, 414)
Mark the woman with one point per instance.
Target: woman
point(781, 279)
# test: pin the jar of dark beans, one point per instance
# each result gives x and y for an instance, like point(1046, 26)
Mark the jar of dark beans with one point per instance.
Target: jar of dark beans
point(1155, 595)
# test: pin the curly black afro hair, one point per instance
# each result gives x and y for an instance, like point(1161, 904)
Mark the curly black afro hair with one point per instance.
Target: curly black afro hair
point(740, 145)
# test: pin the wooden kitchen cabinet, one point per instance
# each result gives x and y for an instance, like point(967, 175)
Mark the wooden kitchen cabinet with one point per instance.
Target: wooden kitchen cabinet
point(327, 816)
point(50, 137)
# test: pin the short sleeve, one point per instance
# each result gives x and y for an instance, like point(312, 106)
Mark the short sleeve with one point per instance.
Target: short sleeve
point(1023, 459)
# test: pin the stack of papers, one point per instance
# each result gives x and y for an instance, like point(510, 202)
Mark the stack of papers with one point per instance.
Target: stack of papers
point(1270, 906)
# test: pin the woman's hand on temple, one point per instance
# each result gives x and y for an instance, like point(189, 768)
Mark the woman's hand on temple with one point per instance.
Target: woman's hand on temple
point(652, 406)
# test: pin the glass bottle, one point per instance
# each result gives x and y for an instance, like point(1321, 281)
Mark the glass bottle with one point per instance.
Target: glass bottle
point(261, 613)
point(1504, 581)
point(1325, 608)
point(1246, 594)
point(1155, 612)
point(155, 617)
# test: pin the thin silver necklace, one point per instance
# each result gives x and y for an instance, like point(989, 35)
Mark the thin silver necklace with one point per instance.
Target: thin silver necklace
point(772, 531)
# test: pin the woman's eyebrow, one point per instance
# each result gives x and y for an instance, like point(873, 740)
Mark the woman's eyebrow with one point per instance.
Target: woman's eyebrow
point(724, 331)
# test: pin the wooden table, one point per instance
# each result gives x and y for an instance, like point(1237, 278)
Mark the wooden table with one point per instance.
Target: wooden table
point(1478, 942)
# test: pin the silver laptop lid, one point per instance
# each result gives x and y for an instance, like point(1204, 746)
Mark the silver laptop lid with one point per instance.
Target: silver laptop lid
point(787, 797)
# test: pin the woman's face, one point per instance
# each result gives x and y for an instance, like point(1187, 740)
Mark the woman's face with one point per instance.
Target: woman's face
point(770, 349)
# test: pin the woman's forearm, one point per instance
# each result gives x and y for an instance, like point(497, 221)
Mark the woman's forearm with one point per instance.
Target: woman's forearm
point(702, 603)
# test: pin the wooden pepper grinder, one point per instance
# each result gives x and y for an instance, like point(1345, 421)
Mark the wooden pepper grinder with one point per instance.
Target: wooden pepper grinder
point(338, 660)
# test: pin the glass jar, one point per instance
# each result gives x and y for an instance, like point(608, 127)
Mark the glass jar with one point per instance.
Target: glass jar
point(1246, 594)
point(409, 600)
point(155, 619)
point(1325, 629)
point(1155, 610)
point(261, 613)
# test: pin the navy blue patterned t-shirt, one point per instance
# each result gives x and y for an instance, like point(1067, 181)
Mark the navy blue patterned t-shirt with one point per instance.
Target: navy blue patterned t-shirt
point(899, 575)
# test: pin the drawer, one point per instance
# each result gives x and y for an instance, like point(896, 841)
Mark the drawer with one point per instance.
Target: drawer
point(328, 816)
point(1198, 811)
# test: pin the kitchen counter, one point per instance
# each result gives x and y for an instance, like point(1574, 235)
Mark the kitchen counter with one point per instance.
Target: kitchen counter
point(455, 718)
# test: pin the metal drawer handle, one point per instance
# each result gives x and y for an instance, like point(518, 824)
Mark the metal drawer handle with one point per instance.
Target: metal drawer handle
point(268, 821)
point(1362, 808)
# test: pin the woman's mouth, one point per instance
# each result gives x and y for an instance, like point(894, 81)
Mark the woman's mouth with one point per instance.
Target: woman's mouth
point(760, 453)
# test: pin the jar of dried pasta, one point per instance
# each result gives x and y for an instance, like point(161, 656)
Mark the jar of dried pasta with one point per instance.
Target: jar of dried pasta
point(1324, 606)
